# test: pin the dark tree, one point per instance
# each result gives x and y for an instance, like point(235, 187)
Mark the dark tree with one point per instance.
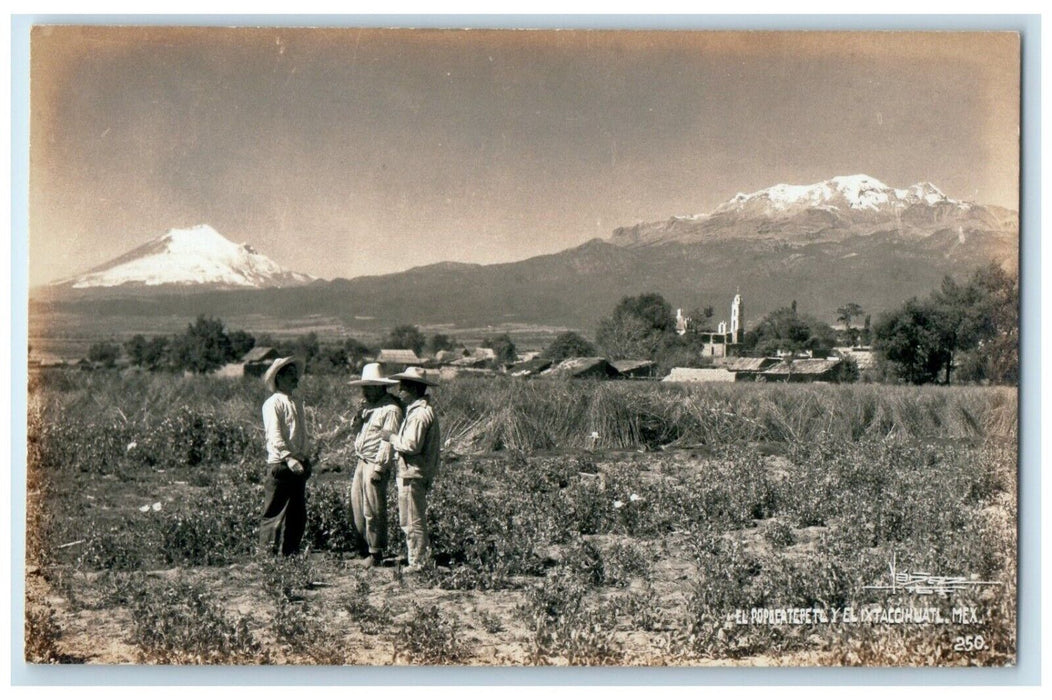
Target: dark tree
point(638, 329)
point(701, 318)
point(439, 342)
point(356, 352)
point(848, 312)
point(135, 348)
point(917, 340)
point(105, 354)
point(785, 330)
point(204, 347)
point(405, 338)
point(568, 344)
point(307, 348)
point(975, 326)
point(240, 343)
point(156, 353)
point(503, 347)
point(330, 359)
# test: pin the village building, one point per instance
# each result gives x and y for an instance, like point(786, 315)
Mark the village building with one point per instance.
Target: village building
point(478, 358)
point(863, 356)
point(582, 368)
point(803, 370)
point(256, 361)
point(45, 361)
point(529, 368)
point(397, 359)
point(745, 368)
point(700, 374)
point(444, 357)
point(635, 369)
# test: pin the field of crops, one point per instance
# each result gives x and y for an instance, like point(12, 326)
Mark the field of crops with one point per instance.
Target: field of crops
point(574, 523)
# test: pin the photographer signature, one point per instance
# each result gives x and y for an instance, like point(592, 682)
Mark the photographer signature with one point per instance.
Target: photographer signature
point(924, 583)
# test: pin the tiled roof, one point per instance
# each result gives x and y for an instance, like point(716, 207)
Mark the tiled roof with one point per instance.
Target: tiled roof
point(699, 374)
point(805, 366)
point(576, 366)
point(746, 364)
point(630, 365)
point(259, 353)
point(398, 356)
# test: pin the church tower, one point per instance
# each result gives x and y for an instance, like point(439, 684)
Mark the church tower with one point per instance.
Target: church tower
point(736, 318)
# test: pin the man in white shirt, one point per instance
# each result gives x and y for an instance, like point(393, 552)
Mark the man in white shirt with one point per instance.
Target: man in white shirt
point(288, 468)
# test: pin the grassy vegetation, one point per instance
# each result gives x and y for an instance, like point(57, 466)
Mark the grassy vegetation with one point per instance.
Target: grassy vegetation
point(549, 553)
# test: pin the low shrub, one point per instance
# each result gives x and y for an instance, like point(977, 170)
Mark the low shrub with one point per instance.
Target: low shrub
point(180, 623)
point(429, 637)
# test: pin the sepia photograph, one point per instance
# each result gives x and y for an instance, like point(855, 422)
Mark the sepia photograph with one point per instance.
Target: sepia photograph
point(373, 347)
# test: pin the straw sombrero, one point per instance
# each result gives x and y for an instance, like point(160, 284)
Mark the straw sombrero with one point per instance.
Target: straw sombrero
point(270, 376)
point(414, 374)
point(373, 375)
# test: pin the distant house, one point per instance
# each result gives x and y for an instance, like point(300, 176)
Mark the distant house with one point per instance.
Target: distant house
point(396, 360)
point(635, 369)
point(804, 370)
point(41, 362)
point(700, 374)
point(529, 368)
point(445, 357)
point(469, 362)
point(745, 368)
point(583, 368)
point(256, 361)
point(449, 372)
point(488, 354)
point(864, 357)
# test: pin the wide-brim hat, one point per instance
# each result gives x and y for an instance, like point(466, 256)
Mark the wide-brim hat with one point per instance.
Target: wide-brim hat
point(372, 375)
point(271, 375)
point(414, 374)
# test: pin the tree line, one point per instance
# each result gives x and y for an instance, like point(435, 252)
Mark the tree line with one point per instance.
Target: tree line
point(206, 345)
point(962, 332)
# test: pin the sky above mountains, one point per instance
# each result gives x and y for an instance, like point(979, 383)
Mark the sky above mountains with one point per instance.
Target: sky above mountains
point(344, 152)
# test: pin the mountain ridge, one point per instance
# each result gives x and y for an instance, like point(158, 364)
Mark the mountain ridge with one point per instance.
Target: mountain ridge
point(823, 255)
point(835, 209)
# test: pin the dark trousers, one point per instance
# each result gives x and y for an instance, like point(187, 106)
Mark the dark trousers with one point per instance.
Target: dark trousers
point(284, 510)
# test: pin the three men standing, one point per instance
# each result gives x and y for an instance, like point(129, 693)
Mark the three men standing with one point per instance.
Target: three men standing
point(383, 443)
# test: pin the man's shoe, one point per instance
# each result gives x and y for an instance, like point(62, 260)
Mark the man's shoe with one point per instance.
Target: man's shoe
point(368, 561)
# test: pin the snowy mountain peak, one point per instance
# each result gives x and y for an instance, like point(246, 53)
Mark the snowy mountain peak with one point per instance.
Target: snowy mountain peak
point(198, 256)
point(858, 192)
point(832, 210)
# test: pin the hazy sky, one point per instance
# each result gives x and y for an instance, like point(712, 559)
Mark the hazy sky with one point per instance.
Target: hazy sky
point(343, 152)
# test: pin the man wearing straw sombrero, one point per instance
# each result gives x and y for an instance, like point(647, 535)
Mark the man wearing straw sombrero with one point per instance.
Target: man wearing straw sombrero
point(417, 445)
point(284, 422)
point(382, 412)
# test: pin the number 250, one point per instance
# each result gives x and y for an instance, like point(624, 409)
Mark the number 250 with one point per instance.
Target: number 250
point(969, 643)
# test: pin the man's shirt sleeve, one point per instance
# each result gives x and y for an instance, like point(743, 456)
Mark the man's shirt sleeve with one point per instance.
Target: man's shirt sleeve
point(410, 441)
point(273, 422)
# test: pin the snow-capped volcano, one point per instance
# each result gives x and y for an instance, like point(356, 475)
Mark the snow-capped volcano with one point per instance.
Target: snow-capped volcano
point(199, 256)
point(838, 208)
point(858, 192)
